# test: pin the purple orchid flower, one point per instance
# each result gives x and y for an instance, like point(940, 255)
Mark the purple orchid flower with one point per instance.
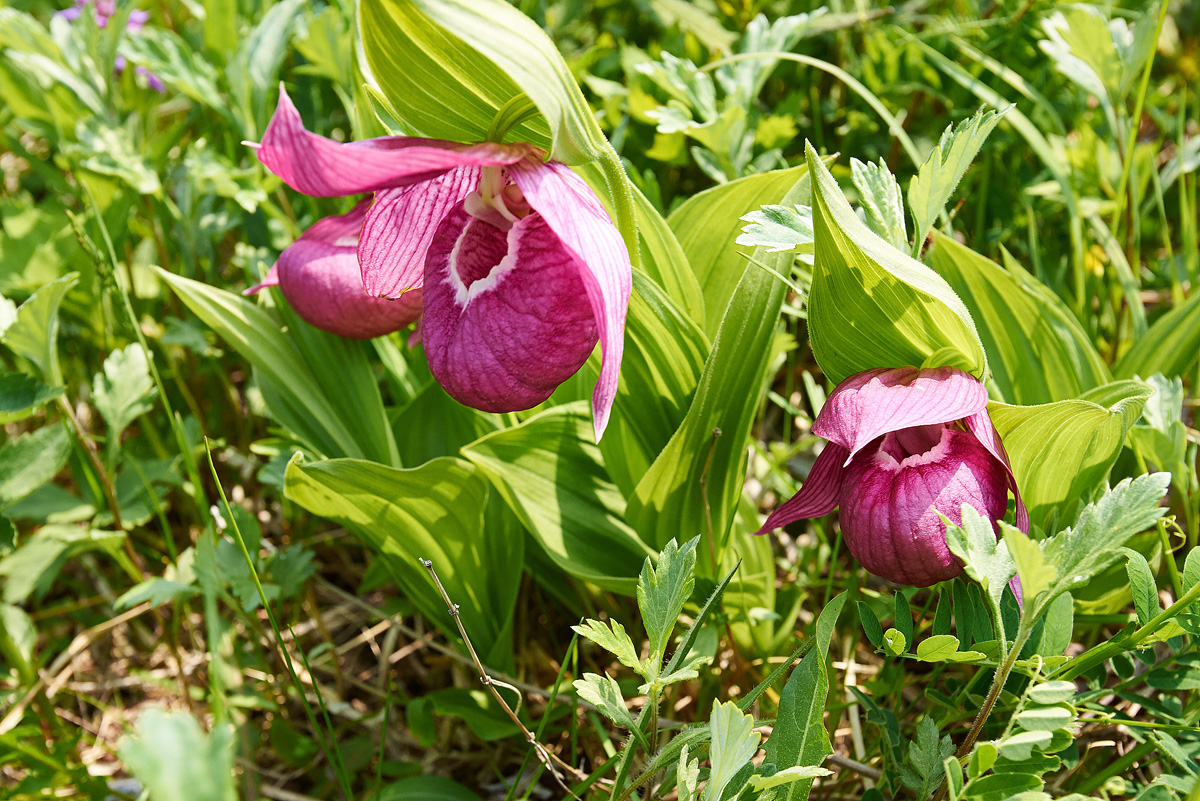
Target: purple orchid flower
point(906, 446)
point(521, 268)
point(103, 11)
point(319, 276)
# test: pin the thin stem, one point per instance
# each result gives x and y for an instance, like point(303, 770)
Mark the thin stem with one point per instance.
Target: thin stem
point(110, 495)
point(551, 761)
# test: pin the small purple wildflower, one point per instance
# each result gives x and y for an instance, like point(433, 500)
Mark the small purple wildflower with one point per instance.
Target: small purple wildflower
point(103, 12)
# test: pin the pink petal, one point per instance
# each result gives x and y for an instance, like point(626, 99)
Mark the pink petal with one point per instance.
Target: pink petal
point(399, 227)
point(575, 215)
point(980, 424)
point(869, 404)
point(507, 317)
point(890, 510)
point(321, 167)
point(319, 276)
point(819, 495)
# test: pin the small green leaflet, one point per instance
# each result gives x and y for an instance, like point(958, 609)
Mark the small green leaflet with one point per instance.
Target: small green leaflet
point(926, 757)
point(612, 637)
point(122, 391)
point(938, 177)
point(688, 772)
point(177, 760)
point(937, 648)
point(787, 776)
point(1141, 581)
point(985, 558)
point(734, 741)
point(882, 201)
point(1037, 574)
point(663, 589)
point(894, 642)
point(603, 692)
point(780, 229)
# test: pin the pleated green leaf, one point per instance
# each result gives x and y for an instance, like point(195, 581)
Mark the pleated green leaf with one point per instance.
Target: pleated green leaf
point(448, 66)
point(551, 475)
point(438, 512)
point(707, 225)
point(873, 306)
point(1171, 346)
point(1061, 451)
point(1036, 350)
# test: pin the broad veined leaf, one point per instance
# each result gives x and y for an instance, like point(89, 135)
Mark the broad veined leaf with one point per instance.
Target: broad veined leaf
point(670, 499)
point(664, 356)
point(551, 475)
point(1061, 451)
point(1035, 348)
point(1037, 574)
point(708, 224)
point(34, 333)
point(22, 395)
point(734, 741)
point(31, 460)
point(938, 177)
point(36, 564)
point(1171, 346)
point(449, 65)
point(122, 392)
point(873, 306)
point(436, 511)
point(346, 419)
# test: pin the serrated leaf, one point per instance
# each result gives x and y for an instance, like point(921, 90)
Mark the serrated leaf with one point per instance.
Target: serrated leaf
point(779, 229)
point(937, 648)
point(938, 177)
point(603, 692)
point(1141, 582)
point(985, 558)
point(882, 201)
point(22, 395)
point(612, 637)
point(122, 392)
point(662, 591)
point(687, 775)
point(1037, 574)
point(926, 759)
point(176, 760)
point(734, 741)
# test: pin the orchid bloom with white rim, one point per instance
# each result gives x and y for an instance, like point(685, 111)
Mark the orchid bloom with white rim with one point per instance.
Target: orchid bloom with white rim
point(906, 446)
point(520, 268)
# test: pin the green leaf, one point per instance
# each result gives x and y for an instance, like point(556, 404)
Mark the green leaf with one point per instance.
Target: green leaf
point(663, 589)
point(734, 742)
point(612, 637)
point(449, 66)
point(1052, 692)
point(1095, 540)
point(1171, 346)
point(1061, 451)
point(871, 305)
point(926, 759)
point(31, 460)
point(157, 591)
point(1019, 747)
point(938, 648)
point(870, 624)
point(1036, 349)
point(319, 386)
point(18, 639)
point(938, 177)
point(687, 772)
point(22, 395)
point(671, 498)
point(1037, 573)
point(437, 512)
point(425, 788)
point(122, 392)
point(894, 642)
point(603, 692)
point(707, 225)
point(173, 60)
point(549, 472)
point(985, 558)
point(176, 760)
point(778, 229)
point(1049, 718)
point(1141, 581)
point(787, 776)
point(882, 201)
point(34, 333)
point(1191, 569)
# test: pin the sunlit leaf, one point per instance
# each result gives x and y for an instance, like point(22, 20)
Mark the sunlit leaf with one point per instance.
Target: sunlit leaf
point(122, 392)
point(882, 201)
point(177, 760)
point(34, 333)
point(662, 590)
point(734, 741)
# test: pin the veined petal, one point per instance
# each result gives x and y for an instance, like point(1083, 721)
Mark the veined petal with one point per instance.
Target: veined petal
point(399, 227)
point(869, 404)
point(980, 424)
point(575, 215)
point(820, 493)
point(315, 165)
point(318, 275)
point(506, 317)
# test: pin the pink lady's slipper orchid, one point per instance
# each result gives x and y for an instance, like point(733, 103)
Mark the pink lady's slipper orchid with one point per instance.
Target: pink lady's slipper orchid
point(319, 276)
point(905, 446)
point(520, 267)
